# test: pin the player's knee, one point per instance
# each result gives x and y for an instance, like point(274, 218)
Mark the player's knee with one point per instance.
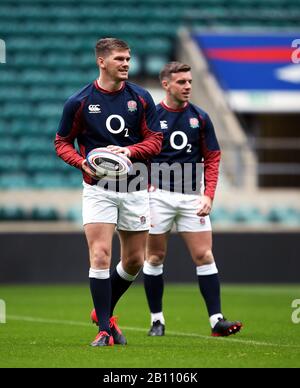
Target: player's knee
point(204, 257)
point(100, 257)
point(135, 262)
point(157, 258)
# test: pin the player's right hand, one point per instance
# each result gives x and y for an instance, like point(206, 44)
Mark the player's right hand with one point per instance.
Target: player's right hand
point(205, 205)
point(87, 170)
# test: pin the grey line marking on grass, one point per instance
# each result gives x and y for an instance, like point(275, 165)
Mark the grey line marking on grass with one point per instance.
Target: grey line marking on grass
point(180, 334)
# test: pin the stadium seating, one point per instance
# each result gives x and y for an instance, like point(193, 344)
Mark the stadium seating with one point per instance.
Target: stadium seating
point(249, 215)
point(12, 213)
point(50, 55)
point(47, 213)
point(286, 215)
point(17, 213)
point(220, 217)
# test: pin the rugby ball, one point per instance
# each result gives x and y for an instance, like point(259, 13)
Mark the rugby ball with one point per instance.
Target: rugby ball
point(105, 163)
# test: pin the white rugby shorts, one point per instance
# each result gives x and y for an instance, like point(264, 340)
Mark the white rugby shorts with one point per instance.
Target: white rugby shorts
point(128, 211)
point(167, 209)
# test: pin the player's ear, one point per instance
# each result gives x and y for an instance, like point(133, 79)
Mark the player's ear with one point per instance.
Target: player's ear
point(100, 62)
point(164, 84)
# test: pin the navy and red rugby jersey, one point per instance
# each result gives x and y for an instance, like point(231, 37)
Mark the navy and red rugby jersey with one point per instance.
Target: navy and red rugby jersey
point(98, 118)
point(189, 138)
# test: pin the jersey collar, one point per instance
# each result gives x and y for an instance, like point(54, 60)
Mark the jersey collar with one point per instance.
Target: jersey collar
point(98, 87)
point(166, 107)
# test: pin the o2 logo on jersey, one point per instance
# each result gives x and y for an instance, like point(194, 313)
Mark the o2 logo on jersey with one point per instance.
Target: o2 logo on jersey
point(296, 53)
point(179, 145)
point(121, 125)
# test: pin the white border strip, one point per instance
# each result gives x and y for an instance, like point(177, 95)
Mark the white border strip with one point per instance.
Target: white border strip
point(264, 101)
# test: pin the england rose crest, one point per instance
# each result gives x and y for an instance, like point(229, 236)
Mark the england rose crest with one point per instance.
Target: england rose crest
point(194, 122)
point(202, 221)
point(132, 106)
point(143, 220)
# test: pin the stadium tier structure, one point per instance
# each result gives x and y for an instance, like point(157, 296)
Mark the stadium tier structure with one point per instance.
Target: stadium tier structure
point(49, 55)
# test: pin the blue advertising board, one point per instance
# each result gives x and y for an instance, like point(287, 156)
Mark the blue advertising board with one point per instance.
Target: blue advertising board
point(253, 61)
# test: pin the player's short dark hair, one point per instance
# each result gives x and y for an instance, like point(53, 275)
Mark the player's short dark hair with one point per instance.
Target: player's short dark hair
point(105, 46)
point(173, 67)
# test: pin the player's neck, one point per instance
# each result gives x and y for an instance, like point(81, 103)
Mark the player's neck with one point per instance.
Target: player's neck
point(109, 85)
point(173, 104)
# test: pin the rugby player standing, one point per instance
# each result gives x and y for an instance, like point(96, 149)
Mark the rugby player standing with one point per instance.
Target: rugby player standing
point(189, 140)
point(121, 115)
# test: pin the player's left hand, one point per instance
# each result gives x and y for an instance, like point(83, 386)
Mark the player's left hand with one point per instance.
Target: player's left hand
point(119, 150)
point(205, 206)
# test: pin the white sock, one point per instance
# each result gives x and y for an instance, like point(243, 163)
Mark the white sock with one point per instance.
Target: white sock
point(99, 273)
point(153, 270)
point(123, 274)
point(157, 317)
point(214, 319)
point(207, 269)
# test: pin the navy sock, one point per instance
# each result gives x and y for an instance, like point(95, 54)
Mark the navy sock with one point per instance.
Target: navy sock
point(101, 294)
point(210, 290)
point(118, 287)
point(154, 288)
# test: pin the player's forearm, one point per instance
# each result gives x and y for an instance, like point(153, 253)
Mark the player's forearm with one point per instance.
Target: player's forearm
point(211, 172)
point(149, 147)
point(66, 151)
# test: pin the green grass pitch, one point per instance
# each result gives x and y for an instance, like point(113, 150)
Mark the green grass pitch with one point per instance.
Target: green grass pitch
point(49, 326)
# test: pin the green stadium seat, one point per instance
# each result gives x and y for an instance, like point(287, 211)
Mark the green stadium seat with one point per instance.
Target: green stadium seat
point(22, 109)
point(12, 213)
point(26, 60)
point(49, 110)
point(32, 77)
point(158, 46)
point(75, 214)
point(34, 127)
point(28, 144)
point(248, 215)
point(44, 163)
point(55, 60)
point(14, 181)
point(11, 163)
point(154, 63)
point(7, 145)
point(221, 215)
point(74, 178)
point(48, 180)
point(135, 65)
point(14, 94)
point(48, 213)
point(284, 215)
point(4, 125)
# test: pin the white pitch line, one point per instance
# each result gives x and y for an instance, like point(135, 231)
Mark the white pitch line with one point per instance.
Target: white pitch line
point(139, 329)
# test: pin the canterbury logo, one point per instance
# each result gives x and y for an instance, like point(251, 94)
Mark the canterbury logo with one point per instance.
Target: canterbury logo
point(94, 108)
point(164, 124)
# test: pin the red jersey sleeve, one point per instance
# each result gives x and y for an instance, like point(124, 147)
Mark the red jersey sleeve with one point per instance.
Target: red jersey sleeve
point(212, 156)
